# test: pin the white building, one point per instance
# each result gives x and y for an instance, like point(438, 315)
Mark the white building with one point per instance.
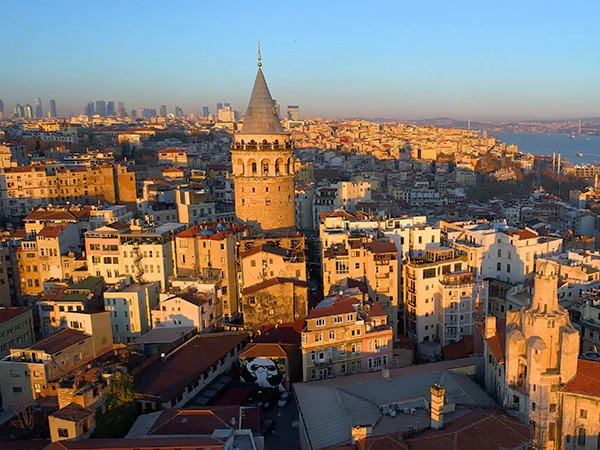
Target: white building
point(130, 305)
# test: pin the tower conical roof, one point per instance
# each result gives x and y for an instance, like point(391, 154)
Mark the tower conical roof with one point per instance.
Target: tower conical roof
point(261, 117)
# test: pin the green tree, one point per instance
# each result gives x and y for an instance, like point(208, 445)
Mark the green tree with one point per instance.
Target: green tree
point(119, 414)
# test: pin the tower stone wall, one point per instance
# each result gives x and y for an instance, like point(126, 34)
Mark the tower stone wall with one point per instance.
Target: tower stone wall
point(262, 157)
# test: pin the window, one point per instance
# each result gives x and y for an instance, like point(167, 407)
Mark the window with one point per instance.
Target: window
point(341, 266)
point(63, 432)
point(252, 300)
point(320, 322)
point(17, 389)
point(508, 268)
point(343, 368)
point(581, 436)
point(15, 373)
point(552, 407)
point(533, 406)
point(332, 335)
point(319, 337)
point(499, 253)
point(338, 319)
point(583, 414)
point(350, 317)
point(343, 350)
point(498, 267)
point(552, 432)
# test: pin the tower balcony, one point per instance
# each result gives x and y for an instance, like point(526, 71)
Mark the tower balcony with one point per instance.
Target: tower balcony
point(254, 146)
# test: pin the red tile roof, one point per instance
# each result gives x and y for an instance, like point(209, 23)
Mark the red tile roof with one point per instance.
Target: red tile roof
point(376, 311)
point(60, 341)
point(587, 380)
point(205, 420)
point(7, 314)
point(460, 349)
point(285, 333)
point(344, 305)
point(272, 282)
point(381, 247)
point(52, 232)
point(165, 379)
point(522, 234)
point(268, 350)
point(497, 342)
point(73, 413)
point(264, 248)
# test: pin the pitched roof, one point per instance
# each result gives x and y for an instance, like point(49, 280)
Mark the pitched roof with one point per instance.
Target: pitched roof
point(52, 232)
point(381, 247)
point(73, 413)
point(199, 421)
point(264, 248)
point(587, 380)
point(460, 349)
point(7, 314)
point(272, 282)
point(261, 116)
point(164, 379)
point(497, 342)
point(60, 341)
point(343, 305)
point(522, 234)
point(284, 333)
point(268, 350)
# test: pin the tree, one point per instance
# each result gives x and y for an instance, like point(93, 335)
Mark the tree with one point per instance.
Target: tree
point(119, 414)
point(25, 416)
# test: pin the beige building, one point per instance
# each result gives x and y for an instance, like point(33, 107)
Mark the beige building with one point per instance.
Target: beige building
point(532, 366)
point(13, 155)
point(263, 165)
point(16, 329)
point(73, 422)
point(274, 300)
point(264, 261)
point(189, 308)
point(210, 250)
point(342, 337)
point(32, 372)
point(375, 262)
point(129, 306)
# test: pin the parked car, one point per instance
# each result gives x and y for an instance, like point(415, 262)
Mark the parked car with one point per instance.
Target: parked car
point(283, 399)
point(267, 427)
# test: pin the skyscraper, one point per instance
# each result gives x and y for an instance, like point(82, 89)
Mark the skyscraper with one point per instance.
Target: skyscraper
point(121, 111)
point(163, 111)
point(38, 108)
point(205, 112)
point(219, 106)
point(178, 112)
point(1, 109)
point(28, 111)
point(293, 112)
point(101, 108)
point(18, 111)
point(133, 114)
point(263, 168)
point(89, 109)
point(110, 109)
point(53, 109)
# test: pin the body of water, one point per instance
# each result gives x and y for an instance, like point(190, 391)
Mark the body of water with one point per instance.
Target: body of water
point(546, 144)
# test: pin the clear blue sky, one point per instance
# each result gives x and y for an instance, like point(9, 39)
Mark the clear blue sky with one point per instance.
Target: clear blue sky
point(398, 59)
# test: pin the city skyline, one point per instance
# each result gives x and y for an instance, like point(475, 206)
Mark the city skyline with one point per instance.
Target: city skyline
point(396, 61)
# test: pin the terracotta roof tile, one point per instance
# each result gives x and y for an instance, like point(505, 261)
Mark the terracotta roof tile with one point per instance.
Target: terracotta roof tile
point(268, 350)
point(271, 282)
point(587, 380)
point(73, 413)
point(7, 314)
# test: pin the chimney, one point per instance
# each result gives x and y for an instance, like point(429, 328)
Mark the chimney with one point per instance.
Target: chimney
point(490, 326)
point(437, 406)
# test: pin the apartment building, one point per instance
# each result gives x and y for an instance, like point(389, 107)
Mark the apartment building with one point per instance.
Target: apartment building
point(31, 372)
point(441, 297)
point(212, 247)
point(200, 309)
point(194, 207)
point(16, 329)
point(343, 194)
point(13, 155)
point(342, 337)
point(375, 262)
point(130, 308)
point(495, 250)
point(262, 262)
point(146, 253)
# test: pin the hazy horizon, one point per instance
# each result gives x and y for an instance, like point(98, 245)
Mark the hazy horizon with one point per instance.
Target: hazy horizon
point(509, 62)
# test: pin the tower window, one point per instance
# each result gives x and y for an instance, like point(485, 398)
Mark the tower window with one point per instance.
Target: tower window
point(266, 189)
point(254, 169)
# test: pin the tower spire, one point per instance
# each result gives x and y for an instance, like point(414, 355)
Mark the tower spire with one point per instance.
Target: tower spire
point(259, 58)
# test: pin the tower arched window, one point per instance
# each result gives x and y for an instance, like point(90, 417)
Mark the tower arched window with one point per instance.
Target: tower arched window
point(265, 167)
point(277, 166)
point(254, 168)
